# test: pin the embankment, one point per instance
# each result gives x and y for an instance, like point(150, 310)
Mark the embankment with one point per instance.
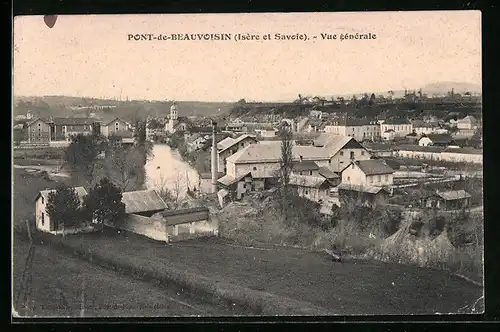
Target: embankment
point(246, 301)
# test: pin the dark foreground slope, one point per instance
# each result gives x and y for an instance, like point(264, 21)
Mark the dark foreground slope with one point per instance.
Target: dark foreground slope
point(354, 287)
point(58, 283)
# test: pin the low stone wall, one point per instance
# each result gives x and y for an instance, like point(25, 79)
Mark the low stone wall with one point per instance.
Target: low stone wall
point(154, 228)
point(174, 226)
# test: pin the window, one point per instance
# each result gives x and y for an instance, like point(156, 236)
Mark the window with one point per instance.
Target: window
point(370, 179)
point(329, 162)
point(254, 168)
point(352, 154)
point(310, 172)
point(116, 126)
point(348, 178)
point(378, 178)
point(362, 153)
point(341, 153)
point(386, 177)
point(306, 192)
point(39, 125)
point(43, 218)
point(43, 201)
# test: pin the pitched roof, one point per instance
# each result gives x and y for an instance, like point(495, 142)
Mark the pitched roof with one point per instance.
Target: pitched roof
point(440, 138)
point(374, 167)
point(397, 121)
point(107, 122)
point(468, 118)
point(305, 166)
point(307, 180)
point(208, 175)
point(328, 173)
point(359, 188)
point(260, 152)
point(72, 121)
point(453, 195)
point(463, 150)
point(418, 148)
point(227, 144)
point(80, 191)
point(36, 120)
point(228, 180)
point(142, 201)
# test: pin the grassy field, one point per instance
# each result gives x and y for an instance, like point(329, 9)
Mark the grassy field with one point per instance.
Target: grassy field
point(57, 289)
point(354, 287)
point(41, 153)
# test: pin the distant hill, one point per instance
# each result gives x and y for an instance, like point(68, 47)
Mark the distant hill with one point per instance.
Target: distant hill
point(444, 87)
point(78, 106)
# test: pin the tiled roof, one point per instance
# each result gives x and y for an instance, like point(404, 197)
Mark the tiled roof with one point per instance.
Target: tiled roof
point(228, 180)
point(226, 145)
point(397, 121)
point(142, 201)
point(440, 138)
point(468, 118)
point(463, 150)
point(73, 121)
point(209, 175)
point(377, 147)
point(107, 122)
point(327, 173)
point(302, 166)
point(306, 180)
point(418, 148)
point(453, 195)
point(374, 167)
point(365, 189)
point(270, 151)
point(80, 191)
point(35, 120)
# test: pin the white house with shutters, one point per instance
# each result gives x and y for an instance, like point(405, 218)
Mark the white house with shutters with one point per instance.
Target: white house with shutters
point(43, 221)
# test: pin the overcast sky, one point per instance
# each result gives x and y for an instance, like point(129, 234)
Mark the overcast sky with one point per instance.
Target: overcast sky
point(90, 55)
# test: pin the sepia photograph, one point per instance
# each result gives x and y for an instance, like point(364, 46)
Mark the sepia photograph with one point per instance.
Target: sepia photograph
point(257, 164)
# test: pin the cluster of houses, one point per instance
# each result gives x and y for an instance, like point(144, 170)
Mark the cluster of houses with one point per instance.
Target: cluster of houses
point(248, 165)
point(335, 167)
point(40, 130)
point(361, 129)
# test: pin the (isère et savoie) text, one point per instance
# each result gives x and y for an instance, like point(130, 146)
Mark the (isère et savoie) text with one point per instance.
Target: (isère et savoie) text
point(240, 37)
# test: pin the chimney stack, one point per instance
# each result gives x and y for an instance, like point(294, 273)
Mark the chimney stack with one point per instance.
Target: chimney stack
point(214, 157)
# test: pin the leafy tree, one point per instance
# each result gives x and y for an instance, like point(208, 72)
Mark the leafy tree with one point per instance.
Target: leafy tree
point(286, 165)
point(103, 204)
point(82, 153)
point(141, 142)
point(124, 167)
point(63, 207)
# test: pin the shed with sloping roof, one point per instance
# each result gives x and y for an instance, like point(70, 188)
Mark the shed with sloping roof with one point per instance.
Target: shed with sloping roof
point(143, 202)
point(448, 200)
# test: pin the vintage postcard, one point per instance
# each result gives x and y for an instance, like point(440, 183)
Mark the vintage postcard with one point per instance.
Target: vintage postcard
point(298, 164)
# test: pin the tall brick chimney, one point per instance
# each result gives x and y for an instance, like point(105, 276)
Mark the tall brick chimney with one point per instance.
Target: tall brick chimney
point(214, 157)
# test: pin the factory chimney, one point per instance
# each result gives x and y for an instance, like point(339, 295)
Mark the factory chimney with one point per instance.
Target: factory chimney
point(214, 157)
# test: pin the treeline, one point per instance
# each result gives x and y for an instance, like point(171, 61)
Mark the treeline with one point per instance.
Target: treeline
point(390, 110)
